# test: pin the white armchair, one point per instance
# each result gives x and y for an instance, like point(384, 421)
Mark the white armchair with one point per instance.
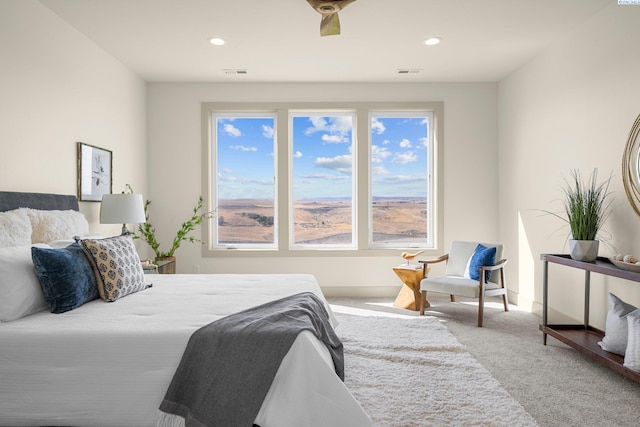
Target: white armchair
point(458, 280)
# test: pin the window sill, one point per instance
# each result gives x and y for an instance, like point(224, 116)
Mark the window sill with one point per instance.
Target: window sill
point(333, 252)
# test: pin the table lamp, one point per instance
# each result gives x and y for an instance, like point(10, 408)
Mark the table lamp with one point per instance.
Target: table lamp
point(122, 209)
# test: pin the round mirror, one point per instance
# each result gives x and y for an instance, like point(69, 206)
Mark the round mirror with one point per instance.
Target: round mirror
point(631, 167)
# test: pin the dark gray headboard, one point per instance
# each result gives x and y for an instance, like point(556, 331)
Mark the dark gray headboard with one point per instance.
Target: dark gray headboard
point(13, 200)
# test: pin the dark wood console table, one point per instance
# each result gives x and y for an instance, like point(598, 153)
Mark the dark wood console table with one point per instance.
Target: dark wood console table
point(584, 338)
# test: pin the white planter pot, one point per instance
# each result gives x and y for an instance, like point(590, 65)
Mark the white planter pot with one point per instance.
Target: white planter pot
point(584, 250)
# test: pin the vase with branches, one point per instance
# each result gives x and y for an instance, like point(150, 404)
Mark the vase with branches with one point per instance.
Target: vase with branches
point(147, 232)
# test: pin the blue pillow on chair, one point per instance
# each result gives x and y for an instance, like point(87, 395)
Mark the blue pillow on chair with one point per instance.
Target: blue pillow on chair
point(481, 256)
point(66, 277)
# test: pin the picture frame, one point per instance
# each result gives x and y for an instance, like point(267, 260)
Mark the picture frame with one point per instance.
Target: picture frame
point(94, 172)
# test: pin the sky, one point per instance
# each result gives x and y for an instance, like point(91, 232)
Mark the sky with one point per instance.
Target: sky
point(322, 152)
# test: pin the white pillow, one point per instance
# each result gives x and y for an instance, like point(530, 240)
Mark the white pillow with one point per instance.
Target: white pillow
point(56, 225)
point(616, 329)
point(20, 291)
point(63, 243)
point(632, 355)
point(15, 229)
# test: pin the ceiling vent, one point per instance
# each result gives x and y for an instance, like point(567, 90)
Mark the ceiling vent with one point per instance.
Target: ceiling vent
point(234, 71)
point(409, 70)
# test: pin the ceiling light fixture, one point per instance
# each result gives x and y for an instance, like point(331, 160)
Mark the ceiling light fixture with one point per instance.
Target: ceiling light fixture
point(432, 41)
point(216, 41)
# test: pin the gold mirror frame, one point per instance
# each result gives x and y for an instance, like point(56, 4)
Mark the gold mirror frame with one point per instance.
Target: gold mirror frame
point(631, 167)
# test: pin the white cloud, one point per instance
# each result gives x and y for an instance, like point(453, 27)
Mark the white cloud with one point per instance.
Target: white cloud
point(243, 148)
point(378, 154)
point(379, 170)
point(268, 131)
point(405, 143)
point(333, 139)
point(329, 124)
point(342, 164)
point(403, 158)
point(377, 126)
point(404, 179)
point(322, 176)
point(297, 154)
point(231, 130)
point(245, 181)
point(424, 141)
point(317, 124)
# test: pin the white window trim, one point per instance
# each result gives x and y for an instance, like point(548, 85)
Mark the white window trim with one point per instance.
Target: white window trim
point(325, 112)
point(430, 184)
point(283, 164)
point(214, 181)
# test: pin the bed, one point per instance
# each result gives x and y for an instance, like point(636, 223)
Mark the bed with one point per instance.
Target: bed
point(109, 364)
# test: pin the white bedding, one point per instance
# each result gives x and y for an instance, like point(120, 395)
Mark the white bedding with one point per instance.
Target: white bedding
point(109, 364)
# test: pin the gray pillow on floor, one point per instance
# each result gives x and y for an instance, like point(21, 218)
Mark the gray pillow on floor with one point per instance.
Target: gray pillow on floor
point(616, 328)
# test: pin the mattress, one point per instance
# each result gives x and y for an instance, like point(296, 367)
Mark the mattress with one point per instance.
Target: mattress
point(109, 364)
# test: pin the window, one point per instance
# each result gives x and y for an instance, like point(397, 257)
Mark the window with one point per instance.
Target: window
point(400, 179)
point(244, 180)
point(322, 178)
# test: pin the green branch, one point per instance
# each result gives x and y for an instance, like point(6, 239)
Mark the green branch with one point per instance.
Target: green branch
point(147, 232)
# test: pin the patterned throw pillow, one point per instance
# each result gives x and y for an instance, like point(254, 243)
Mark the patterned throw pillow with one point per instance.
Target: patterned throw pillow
point(116, 265)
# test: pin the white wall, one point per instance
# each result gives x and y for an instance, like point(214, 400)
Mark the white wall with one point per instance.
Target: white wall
point(470, 169)
point(570, 108)
point(57, 88)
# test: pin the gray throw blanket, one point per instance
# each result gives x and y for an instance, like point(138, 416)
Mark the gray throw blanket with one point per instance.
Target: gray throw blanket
point(228, 366)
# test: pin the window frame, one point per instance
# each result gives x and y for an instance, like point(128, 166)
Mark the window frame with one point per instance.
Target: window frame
point(430, 181)
point(362, 164)
point(213, 242)
point(354, 231)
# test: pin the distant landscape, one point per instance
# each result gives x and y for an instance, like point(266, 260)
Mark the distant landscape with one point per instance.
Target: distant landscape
point(325, 221)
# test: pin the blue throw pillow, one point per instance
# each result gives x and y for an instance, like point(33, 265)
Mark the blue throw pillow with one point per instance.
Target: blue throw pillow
point(481, 256)
point(66, 277)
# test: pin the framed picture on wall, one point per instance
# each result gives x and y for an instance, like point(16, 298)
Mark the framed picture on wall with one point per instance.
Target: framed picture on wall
point(94, 172)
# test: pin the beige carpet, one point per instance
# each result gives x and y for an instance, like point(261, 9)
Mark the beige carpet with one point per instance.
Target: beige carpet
point(555, 384)
point(414, 372)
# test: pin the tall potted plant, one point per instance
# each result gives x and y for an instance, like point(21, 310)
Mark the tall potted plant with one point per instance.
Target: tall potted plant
point(147, 233)
point(587, 207)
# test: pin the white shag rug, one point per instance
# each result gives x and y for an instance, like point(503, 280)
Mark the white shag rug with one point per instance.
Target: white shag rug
point(414, 372)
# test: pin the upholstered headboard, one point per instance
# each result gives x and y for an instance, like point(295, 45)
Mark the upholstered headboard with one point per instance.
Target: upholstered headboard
point(13, 200)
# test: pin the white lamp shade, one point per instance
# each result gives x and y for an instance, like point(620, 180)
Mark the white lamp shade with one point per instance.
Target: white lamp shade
point(122, 209)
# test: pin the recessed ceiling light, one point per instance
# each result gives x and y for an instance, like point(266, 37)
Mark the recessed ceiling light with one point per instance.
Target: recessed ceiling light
point(432, 41)
point(216, 41)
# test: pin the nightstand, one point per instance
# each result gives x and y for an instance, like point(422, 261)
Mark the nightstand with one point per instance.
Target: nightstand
point(162, 267)
point(409, 296)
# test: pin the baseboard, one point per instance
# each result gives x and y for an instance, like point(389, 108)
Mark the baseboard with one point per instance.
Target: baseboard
point(392, 291)
point(524, 303)
point(360, 291)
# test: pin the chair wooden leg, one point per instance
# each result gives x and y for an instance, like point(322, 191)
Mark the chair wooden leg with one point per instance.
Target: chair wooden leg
point(453, 298)
point(504, 286)
point(423, 299)
point(505, 302)
point(480, 309)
